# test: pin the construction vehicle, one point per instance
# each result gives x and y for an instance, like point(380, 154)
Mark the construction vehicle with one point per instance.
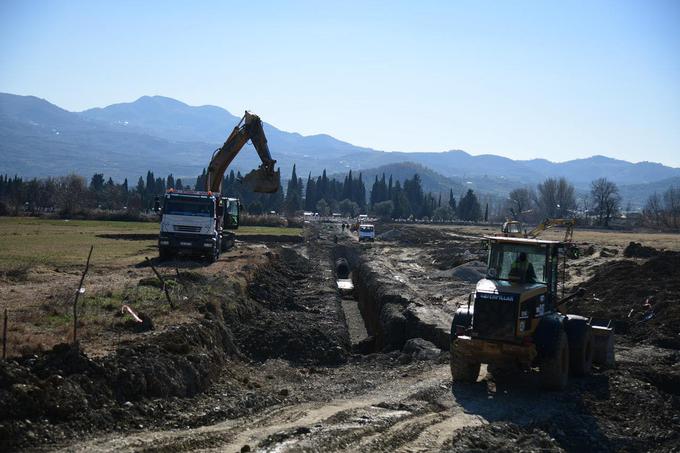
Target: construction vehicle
point(517, 318)
point(513, 228)
point(202, 222)
point(366, 232)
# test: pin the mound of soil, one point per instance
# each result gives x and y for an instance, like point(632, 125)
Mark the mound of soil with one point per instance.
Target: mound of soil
point(65, 386)
point(643, 300)
point(451, 256)
point(637, 250)
point(413, 235)
point(293, 302)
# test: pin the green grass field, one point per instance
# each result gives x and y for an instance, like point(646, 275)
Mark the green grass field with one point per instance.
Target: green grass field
point(32, 242)
point(277, 231)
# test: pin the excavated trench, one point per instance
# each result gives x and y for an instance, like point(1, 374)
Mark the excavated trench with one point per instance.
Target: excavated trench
point(390, 316)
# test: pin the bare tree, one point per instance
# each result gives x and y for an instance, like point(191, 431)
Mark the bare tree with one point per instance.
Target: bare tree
point(520, 202)
point(555, 198)
point(653, 210)
point(671, 199)
point(606, 200)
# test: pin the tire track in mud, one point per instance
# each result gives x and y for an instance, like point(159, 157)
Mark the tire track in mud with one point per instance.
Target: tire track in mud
point(364, 421)
point(419, 412)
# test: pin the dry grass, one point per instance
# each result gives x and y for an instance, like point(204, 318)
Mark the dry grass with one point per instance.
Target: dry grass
point(40, 265)
point(30, 243)
point(604, 238)
point(61, 243)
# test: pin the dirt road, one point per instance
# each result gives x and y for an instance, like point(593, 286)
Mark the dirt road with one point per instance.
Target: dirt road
point(416, 412)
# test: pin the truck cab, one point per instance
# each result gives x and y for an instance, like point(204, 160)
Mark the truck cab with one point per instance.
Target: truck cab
point(194, 223)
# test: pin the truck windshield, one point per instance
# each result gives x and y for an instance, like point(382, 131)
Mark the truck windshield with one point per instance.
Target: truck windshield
point(517, 262)
point(188, 207)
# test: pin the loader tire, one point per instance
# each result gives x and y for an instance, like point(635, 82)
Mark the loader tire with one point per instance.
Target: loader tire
point(555, 369)
point(502, 372)
point(463, 370)
point(581, 349)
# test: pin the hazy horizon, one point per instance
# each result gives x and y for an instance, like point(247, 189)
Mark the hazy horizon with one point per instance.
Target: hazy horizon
point(524, 80)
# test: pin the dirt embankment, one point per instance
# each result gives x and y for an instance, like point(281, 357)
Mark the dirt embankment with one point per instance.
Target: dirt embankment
point(410, 281)
point(65, 388)
point(642, 299)
point(288, 310)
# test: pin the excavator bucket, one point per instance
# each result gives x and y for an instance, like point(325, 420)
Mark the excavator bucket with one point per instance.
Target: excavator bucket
point(263, 181)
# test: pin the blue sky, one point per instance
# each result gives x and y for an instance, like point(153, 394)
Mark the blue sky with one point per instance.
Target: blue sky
point(556, 80)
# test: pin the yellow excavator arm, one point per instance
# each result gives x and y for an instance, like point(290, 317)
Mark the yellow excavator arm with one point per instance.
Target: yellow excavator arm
point(264, 179)
point(549, 223)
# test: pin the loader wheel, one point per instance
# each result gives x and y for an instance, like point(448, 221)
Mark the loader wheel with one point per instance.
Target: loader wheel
point(462, 370)
point(581, 351)
point(502, 372)
point(164, 254)
point(555, 370)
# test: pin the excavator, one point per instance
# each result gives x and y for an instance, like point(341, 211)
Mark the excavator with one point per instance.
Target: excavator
point(198, 222)
point(513, 228)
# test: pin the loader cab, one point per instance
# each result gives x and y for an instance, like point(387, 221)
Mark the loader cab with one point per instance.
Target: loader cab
point(523, 262)
point(520, 287)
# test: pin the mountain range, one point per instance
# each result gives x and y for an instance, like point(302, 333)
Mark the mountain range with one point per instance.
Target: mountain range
point(40, 139)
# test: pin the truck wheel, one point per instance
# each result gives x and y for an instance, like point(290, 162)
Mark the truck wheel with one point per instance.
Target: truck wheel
point(164, 254)
point(462, 370)
point(555, 369)
point(581, 351)
point(214, 256)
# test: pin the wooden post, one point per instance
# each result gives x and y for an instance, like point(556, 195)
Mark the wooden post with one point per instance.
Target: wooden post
point(165, 288)
point(75, 301)
point(4, 337)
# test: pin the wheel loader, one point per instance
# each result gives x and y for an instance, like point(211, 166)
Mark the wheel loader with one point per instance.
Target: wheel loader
point(517, 318)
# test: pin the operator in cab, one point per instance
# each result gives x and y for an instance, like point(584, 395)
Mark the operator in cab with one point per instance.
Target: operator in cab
point(522, 270)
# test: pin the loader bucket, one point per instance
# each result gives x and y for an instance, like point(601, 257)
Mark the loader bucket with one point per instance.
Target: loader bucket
point(262, 181)
point(603, 350)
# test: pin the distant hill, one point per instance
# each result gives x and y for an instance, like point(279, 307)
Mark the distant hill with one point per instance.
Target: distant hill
point(38, 138)
point(583, 171)
point(166, 118)
point(637, 194)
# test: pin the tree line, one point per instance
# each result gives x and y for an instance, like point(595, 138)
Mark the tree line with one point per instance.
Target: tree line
point(72, 194)
point(387, 198)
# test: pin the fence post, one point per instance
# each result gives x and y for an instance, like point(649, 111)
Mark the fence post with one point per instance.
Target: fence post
point(165, 287)
point(75, 301)
point(4, 337)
